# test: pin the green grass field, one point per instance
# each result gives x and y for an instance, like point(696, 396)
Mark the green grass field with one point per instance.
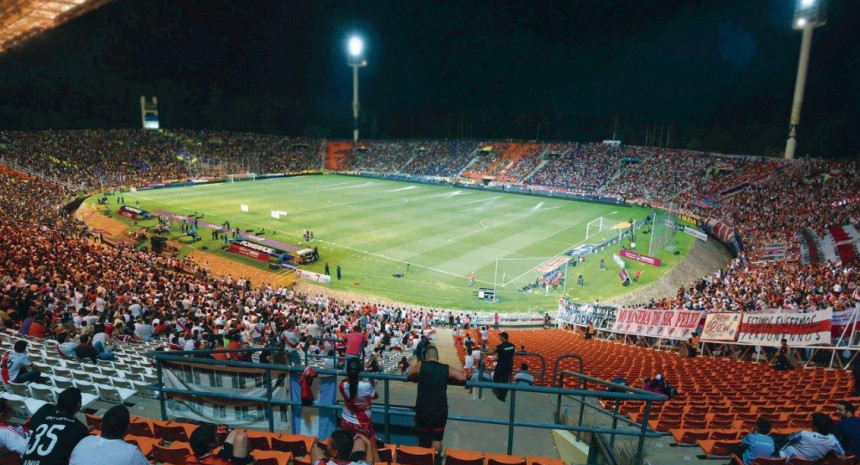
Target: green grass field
point(372, 228)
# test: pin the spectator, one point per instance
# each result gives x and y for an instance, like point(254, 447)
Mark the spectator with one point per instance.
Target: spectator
point(355, 341)
point(17, 367)
point(53, 440)
point(204, 440)
point(358, 395)
point(504, 365)
point(815, 444)
point(783, 357)
point(12, 437)
point(343, 448)
point(65, 347)
point(110, 448)
point(847, 428)
point(756, 444)
point(523, 376)
point(431, 402)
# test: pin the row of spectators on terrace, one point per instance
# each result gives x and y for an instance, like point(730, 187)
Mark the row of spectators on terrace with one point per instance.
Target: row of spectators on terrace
point(109, 158)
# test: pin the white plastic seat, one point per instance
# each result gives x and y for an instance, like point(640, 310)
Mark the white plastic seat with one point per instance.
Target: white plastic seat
point(114, 394)
point(44, 392)
point(22, 390)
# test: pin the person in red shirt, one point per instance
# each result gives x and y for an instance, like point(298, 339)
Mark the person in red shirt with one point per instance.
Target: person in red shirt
point(355, 340)
point(38, 328)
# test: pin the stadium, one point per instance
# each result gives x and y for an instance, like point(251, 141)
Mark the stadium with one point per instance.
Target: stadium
point(201, 265)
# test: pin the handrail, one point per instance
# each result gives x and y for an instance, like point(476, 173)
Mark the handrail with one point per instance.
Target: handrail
point(162, 358)
point(556, 375)
point(647, 396)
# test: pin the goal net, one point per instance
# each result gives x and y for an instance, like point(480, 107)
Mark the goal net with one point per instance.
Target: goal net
point(662, 230)
point(603, 229)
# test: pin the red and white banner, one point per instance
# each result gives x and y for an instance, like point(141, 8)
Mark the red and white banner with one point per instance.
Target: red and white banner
point(721, 327)
point(841, 321)
point(639, 257)
point(237, 247)
point(669, 324)
point(800, 329)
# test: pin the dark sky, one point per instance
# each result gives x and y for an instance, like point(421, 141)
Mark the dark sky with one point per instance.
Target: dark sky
point(720, 73)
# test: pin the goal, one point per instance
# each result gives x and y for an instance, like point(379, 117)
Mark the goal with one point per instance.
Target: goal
point(596, 227)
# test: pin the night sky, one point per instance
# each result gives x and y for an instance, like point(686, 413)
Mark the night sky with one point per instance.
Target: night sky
point(719, 73)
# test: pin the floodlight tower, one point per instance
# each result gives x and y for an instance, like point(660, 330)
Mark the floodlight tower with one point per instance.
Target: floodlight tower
point(355, 49)
point(808, 15)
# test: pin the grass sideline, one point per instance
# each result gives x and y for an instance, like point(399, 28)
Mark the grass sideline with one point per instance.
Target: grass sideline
point(372, 228)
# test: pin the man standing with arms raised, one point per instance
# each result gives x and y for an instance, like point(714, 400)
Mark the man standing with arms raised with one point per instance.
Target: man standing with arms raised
point(431, 404)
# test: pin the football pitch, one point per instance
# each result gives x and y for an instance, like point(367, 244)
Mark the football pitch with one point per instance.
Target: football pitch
point(419, 243)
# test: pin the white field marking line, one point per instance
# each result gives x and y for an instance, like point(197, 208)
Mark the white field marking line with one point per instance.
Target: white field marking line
point(345, 204)
point(546, 261)
point(488, 247)
point(332, 185)
point(407, 188)
point(334, 245)
point(454, 239)
point(560, 230)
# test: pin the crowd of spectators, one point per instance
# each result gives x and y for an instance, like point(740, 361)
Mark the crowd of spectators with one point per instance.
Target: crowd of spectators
point(765, 200)
point(582, 167)
point(99, 159)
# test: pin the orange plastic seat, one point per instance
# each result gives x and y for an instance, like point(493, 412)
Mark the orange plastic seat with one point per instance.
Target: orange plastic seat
point(691, 436)
point(296, 444)
point(413, 455)
point(761, 460)
point(140, 427)
point(171, 455)
point(271, 457)
point(463, 457)
point(143, 443)
point(504, 459)
point(531, 460)
point(170, 433)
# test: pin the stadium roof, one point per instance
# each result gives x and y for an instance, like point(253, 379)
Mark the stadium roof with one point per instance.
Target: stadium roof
point(22, 19)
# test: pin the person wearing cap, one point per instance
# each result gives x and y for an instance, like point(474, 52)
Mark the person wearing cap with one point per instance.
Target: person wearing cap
point(504, 365)
point(847, 430)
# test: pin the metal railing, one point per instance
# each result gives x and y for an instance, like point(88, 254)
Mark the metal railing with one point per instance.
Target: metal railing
point(268, 369)
point(613, 388)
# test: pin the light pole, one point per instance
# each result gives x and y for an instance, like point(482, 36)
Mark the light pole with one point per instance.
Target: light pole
point(808, 14)
point(355, 47)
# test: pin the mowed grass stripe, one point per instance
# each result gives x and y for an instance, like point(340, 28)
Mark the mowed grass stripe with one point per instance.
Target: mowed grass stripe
point(373, 227)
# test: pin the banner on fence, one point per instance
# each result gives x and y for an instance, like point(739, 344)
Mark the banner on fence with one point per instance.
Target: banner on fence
point(238, 381)
point(841, 321)
point(721, 327)
point(695, 233)
point(640, 257)
point(577, 314)
point(800, 329)
point(669, 324)
point(311, 276)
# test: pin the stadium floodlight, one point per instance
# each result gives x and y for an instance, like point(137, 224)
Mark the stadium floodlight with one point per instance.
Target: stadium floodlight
point(355, 54)
point(808, 15)
point(356, 46)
